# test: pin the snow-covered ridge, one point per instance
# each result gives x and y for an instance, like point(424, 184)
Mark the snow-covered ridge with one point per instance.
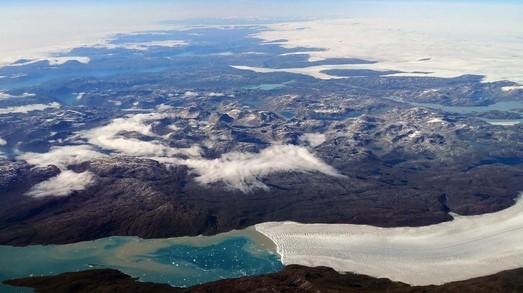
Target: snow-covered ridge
point(467, 247)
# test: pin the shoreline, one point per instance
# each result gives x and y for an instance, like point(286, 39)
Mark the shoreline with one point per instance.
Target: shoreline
point(180, 261)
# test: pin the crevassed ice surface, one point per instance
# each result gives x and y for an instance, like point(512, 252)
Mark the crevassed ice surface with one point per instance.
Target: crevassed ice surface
point(467, 247)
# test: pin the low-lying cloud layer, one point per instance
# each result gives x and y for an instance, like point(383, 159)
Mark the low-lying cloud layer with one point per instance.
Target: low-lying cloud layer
point(63, 184)
point(62, 156)
point(111, 137)
point(133, 136)
point(243, 170)
point(67, 181)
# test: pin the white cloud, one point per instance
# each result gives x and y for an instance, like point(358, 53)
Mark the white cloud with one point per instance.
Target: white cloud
point(237, 170)
point(62, 156)
point(467, 247)
point(29, 108)
point(2, 142)
point(110, 137)
point(63, 184)
point(67, 181)
point(243, 170)
point(80, 96)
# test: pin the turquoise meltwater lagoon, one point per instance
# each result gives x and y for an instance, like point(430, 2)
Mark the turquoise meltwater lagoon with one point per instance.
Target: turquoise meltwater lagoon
point(180, 262)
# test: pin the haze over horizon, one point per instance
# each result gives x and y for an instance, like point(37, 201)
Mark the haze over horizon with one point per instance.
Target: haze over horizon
point(32, 28)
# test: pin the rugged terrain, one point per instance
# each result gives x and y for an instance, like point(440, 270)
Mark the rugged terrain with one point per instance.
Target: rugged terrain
point(406, 167)
point(292, 279)
point(156, 147)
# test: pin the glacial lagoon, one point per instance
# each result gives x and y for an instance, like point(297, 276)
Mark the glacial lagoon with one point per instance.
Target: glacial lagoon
point(180, 262)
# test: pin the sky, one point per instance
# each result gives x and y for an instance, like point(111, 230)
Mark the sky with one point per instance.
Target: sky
point(183, 9)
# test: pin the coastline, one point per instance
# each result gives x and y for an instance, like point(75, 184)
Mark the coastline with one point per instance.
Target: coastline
point(179, 261)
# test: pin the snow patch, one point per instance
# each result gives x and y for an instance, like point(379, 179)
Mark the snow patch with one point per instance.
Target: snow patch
point(435, 120)
point(29, 108)
point(313, 139)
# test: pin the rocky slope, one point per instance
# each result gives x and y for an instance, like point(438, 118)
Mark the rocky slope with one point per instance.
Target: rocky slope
point(406, 167)
point(292, 279)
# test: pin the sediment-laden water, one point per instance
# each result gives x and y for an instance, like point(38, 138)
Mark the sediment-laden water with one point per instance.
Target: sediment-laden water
point(182, 262)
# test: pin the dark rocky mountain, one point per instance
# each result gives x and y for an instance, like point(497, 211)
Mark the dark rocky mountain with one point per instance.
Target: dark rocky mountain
point(292, 279)
point(405, 167)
